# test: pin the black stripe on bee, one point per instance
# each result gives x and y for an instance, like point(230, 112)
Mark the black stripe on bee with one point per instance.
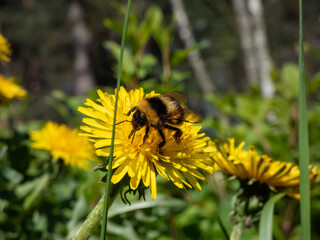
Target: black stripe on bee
point(157, 104)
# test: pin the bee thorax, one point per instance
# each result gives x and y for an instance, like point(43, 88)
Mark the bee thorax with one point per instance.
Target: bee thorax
point(139, 119)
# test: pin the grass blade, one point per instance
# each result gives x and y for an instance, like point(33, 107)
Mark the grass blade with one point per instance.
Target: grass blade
point(105, 208)
point(266, 220)
point(303, 139)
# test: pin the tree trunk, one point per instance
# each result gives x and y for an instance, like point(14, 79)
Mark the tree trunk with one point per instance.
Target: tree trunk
point(194, 57)
point(84, 80)
point(253, 40)
point(244, 28)
point(262, 52)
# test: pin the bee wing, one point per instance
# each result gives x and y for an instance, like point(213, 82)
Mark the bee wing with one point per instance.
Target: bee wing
point(189, 116)
point(180, 97)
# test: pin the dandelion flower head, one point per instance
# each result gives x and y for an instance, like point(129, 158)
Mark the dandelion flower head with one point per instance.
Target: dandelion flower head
point(5, 50)
point(142, 160)
point(248, 165)
point(10, 91)
point(64, 143)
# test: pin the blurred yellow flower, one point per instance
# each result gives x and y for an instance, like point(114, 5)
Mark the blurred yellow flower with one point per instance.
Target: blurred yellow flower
point(5, 51)
point(142, 161)
point(64, 143)
point(10, 91)
point(279, 176)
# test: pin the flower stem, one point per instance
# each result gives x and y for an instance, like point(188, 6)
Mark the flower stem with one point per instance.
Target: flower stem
point(92, 223)
point(237, 231)
point(105, 208)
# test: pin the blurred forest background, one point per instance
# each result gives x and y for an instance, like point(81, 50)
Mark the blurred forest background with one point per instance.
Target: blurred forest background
point(236, 61)
point(61, 44)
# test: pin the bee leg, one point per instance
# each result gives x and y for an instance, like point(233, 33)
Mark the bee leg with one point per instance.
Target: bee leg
point(178, 133)
point(146, 134)
point(163, 138)
point(132, 110)
point(133, 137)
point(123, 122)
point(132, 133)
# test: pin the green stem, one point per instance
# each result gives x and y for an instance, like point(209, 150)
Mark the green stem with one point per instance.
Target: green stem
point(224, 230)
point(105, 208)
point(237, 231)
point(92, 222)
point(303, 139)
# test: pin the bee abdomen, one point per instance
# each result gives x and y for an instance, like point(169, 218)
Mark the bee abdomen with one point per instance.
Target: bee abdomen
point(167, 109)
point(175, 113)
point(157, 105)
point(176, 117)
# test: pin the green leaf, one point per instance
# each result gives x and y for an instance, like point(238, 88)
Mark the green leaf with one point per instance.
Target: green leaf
point(40, 222)
point(266, 220)
point(3, 151)
point(148, 60)
point(159, 202)
point(290, 79)
point(152, 21)
point(113, 24)
point(146, 64)
point(314, 83)
point(312, 50)
point(180, 55)
point(128, 59)
point(127, 231)
point(163, 35)
point(303, 140)
point(14, 177)
point(78, 212)
point(24, 189)
point(177, 76)
point(35, 195)
point(149, 84)
point(154, 17)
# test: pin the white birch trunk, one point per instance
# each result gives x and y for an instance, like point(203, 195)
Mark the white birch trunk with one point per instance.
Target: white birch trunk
point(252, 32)
point(262, 52)
point(244, 29)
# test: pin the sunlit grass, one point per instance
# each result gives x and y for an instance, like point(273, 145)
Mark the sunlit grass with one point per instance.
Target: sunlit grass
point(105, 208)
point(303, 139)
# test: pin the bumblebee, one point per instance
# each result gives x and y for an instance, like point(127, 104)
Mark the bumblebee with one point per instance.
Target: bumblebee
point(164, 111)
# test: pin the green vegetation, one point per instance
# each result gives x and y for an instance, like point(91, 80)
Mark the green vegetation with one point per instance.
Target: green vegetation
point(43, 198)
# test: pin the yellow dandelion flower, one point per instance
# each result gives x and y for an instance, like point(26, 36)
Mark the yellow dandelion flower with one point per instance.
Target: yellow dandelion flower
point(142, 159)
point(10, 91)
point(248, 165)
point(5, 50)
point(64, 143)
